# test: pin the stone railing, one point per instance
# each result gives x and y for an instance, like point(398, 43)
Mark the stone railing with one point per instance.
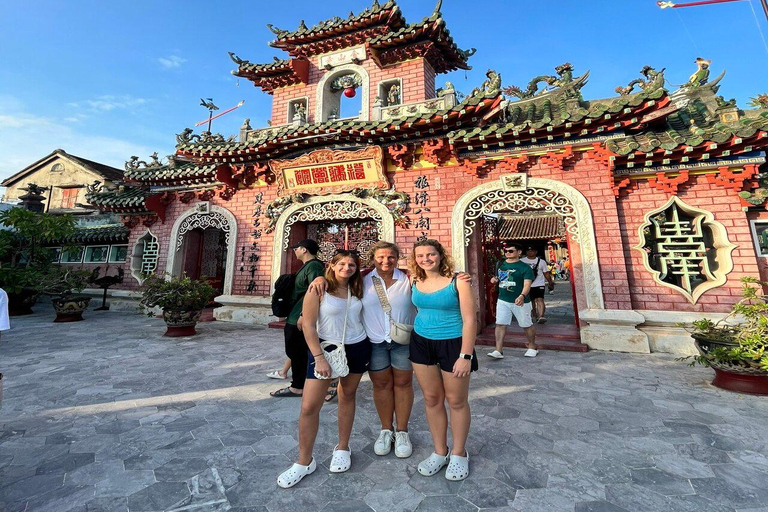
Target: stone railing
point(445, 101)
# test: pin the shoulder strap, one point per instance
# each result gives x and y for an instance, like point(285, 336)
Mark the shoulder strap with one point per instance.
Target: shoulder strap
point(378, 285)
point(346, 313)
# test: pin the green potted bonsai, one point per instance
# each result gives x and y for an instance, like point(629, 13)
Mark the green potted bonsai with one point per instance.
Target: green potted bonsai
point(737, 351)
point(63, 285)
point(24, 260)
point(182, 300)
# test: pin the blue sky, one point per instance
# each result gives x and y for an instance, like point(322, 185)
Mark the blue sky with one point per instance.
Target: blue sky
point(107, 80)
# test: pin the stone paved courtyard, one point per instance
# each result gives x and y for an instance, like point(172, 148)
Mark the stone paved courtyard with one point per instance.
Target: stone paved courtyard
point(107, 415)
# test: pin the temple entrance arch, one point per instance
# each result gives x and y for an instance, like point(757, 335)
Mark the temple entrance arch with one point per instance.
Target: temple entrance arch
point(346, 208)
point(203, 244)
point(520, 193)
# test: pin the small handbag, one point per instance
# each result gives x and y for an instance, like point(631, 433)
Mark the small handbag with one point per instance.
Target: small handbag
point(399, 333)
point(337, 357)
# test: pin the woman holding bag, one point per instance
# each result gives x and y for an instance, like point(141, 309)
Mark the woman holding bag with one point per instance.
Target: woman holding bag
point(335, 320)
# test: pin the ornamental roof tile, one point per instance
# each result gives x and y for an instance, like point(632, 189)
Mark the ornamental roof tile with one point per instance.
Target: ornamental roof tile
point(175, 171)
point(530, 227)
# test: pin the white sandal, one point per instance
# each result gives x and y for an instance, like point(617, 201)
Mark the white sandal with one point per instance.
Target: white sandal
point(458, 468)
point(341, 460)
point(277, 375)
point(432, 465)
point(295, 473)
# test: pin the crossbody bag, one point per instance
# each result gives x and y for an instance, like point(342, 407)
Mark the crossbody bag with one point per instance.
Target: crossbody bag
point(399, 333)
point(337, 357)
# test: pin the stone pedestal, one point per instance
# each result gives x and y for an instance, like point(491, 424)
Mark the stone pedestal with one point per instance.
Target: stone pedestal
point(664, 335)
point(613, 329)
point(244, 309)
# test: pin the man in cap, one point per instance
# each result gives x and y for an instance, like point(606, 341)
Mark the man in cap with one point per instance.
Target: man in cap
point(541, 276)
point(295, 344)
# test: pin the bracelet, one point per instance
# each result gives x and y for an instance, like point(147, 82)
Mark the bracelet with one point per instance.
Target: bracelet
point(318, 355)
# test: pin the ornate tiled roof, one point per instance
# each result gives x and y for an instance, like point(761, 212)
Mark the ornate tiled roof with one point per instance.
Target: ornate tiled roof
point(173, 172)
point(388, 14)
point(272, 142)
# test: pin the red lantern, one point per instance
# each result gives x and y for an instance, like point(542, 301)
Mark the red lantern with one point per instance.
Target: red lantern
point(349, 92)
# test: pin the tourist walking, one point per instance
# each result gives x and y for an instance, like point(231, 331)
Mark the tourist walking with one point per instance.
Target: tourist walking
point(335, 316)
point(442, 351)
point(5, 324)
point(295, 344)
point(542, 277)
point(514, 278)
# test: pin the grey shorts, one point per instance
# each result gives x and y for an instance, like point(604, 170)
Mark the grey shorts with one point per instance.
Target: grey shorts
point(385, 354)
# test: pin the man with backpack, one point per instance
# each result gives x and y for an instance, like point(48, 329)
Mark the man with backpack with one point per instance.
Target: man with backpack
point(295, 344)
point(541, 274)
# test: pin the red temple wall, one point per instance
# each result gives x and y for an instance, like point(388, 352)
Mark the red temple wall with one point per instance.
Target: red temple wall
point(726, 207)
point(417, 76)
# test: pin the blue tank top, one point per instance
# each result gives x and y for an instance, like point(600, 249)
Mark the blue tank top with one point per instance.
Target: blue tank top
point(439, 314)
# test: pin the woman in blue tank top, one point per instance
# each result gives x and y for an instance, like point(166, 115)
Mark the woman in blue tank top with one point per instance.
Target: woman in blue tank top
point(443, 354)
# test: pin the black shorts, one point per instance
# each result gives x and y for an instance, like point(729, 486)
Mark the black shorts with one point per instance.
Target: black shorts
point(537, 292)
point(440, 352)
point(358, 358)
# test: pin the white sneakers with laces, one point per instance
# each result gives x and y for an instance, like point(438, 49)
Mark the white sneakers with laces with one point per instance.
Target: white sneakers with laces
point(383, 444)
point(403, 447)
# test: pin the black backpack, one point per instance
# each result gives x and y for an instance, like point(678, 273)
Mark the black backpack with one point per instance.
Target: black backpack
point(535, 268)
point(281, 298)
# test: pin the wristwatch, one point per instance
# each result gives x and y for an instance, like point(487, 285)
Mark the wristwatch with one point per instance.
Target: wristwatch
point(465, 356)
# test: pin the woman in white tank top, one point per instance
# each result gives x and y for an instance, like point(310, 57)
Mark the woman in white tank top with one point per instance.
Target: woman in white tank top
point(328, 318)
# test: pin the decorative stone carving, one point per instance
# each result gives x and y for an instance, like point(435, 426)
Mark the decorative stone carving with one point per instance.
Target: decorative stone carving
point(332, 210)
point(437, 151)
point(144, 257)
point(401, 154)
point(685, 249)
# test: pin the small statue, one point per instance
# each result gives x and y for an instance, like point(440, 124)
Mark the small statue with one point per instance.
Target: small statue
point(393, 96)
point(246, 124)
point(299, 112)
point(701, 75)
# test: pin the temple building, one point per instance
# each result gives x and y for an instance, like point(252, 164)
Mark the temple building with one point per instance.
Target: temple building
point(655, 198)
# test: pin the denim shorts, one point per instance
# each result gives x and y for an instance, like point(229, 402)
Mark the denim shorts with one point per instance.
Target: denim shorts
point(358, 358)
point(386, 354)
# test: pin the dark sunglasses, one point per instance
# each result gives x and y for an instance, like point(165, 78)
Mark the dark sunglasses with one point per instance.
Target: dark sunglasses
point(510, 250)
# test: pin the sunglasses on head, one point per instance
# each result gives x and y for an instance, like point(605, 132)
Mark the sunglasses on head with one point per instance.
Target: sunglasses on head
point(346, 252)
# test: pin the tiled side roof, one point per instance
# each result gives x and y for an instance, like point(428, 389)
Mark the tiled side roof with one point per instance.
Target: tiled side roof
point(671, 138)
point(106, 233)
point(176, 172)
point(129, 198)
point(278, 66)
point(534, 227)
point(556, 110)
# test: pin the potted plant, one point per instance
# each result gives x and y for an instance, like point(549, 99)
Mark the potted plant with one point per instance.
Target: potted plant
point(182, 300)
point(24, 260)
point(738, 352)
point(63, 284)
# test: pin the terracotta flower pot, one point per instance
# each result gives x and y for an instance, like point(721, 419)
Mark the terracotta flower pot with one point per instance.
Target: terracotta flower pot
point(181, 323)
point(752, 380)
point(70, 309)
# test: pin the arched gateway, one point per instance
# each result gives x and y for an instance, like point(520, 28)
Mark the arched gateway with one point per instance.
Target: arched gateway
point(203, 242)
point(330, 207)
point(517, 192)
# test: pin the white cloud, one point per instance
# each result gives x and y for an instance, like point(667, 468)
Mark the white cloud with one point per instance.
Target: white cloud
point(171, 62)
point(27, 137)
point(106, 103)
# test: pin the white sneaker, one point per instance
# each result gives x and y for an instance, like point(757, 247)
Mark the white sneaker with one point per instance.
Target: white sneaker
point(383, 444)
point(496, 354)
point(403, 446)
point(531, 352)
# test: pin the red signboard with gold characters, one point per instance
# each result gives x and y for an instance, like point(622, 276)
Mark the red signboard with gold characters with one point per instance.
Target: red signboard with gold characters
point(330, 172)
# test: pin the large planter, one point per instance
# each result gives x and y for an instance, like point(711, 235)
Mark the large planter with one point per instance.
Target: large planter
point(751, 379)
point(21, 303)
point(181, 323)
point(70, 309)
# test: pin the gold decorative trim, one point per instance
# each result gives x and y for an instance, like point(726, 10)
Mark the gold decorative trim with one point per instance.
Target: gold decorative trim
point(720, 244)
point(550, 195)
point(327, 156)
